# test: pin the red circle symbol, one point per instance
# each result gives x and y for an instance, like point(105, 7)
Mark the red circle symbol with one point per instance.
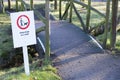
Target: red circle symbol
point(23, 22)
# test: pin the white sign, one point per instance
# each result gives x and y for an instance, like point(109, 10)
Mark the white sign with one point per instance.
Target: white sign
point(23, 31)
point(23, 28)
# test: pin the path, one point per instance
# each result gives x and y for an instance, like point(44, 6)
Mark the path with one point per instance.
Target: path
point(66, 37)
point(99, 66)
point(77, 56)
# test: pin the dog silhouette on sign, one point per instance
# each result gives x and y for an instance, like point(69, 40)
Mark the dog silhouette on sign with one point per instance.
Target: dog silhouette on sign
point(22, 23)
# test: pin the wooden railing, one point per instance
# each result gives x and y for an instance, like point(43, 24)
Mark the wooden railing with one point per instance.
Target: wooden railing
point(70, 5)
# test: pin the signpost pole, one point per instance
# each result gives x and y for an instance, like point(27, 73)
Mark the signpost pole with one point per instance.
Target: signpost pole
point(26, 62)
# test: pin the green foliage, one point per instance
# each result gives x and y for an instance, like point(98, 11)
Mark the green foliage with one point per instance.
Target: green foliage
point(4, 19)
point(5, 31)
point(5, 40)
point(118, 41)
point(46, 72)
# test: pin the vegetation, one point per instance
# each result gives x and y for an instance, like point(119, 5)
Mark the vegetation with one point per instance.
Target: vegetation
point(38, 72)
point(11, 60)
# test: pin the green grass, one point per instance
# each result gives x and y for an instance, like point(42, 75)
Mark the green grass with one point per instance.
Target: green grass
point(100, 39)
point(37, 72)
point(118, 41)
point(45, 72)
point(5, 34)
point(4, 19)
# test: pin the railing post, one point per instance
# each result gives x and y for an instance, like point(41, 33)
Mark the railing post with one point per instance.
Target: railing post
point(71, 2)
point(106, 24)
point(47, 33)
point(2, 7)
point(88, 16)
point(31, 5)
point(60, 9)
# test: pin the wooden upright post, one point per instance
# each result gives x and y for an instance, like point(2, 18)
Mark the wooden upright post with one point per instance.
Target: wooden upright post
point(106, 24)
point(47, 32)
point(71, 2)
point(16, 5)
point(31, 5)
point(88, 16)
point(114, 23)
point(60, 9)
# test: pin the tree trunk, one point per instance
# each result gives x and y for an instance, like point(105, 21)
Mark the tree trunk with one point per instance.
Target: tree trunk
point(9, 4)
point(3, 7)
point(114, 23)
point(55, 4)
point(0, 6)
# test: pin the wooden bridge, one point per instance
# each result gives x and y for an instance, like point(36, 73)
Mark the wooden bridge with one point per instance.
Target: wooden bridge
point(69, 44)
point(65, 37)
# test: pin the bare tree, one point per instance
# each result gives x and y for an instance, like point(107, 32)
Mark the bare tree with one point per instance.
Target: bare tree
point(9, 4)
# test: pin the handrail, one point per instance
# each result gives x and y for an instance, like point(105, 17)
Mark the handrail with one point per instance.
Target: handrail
point(79, 17)
point(69, 6)
point(81, 3)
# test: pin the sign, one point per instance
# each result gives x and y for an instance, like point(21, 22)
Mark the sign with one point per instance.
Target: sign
point(23, 28)
point(23, 31)
point(23, 22)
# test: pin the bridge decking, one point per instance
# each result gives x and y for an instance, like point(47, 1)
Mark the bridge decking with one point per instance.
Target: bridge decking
point(77, 55)
point(68, 43)
point(68, 37)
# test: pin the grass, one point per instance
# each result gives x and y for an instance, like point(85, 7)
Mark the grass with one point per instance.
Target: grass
point(100, 39)
point(4, 19)
point(37, 72)
point(5, 34)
